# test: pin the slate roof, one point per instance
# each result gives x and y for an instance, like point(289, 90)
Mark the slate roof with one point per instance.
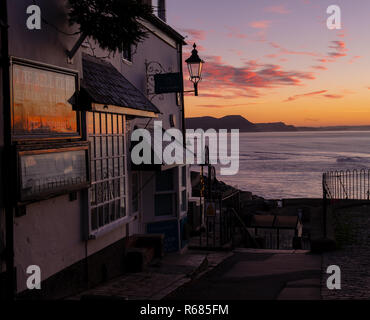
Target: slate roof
point(104, 84)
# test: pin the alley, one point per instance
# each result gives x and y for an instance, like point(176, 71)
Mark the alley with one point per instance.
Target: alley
point(256, 275)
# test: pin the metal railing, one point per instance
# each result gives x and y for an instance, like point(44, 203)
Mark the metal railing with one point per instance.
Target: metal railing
point(347, 184)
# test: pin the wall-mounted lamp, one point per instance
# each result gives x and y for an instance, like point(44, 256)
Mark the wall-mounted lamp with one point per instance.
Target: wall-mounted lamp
point(195, 65)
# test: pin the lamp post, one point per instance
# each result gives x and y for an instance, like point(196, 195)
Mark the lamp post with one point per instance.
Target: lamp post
point(195, 65)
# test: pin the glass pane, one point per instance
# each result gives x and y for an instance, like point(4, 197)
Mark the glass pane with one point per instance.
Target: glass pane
point(36, 91)
point(98, 147)
point(164, 205)
point(98, 170)
point(90, 123)
point(109, 123)
point(101, 216)
point(115, 124)
point(103, 123)
point(164, 180)
point(104, 146)
point(183, 200)
point(97, 123)
point(112, 211)
point(184, 176)
point(92, 195)
point(120, 124)
point(94, 219)
point(135, 192)
point(106, 214)
point(122, 207)
point(118, 209)
point(92, 170)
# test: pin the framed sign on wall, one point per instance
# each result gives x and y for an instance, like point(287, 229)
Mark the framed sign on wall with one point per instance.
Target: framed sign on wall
point(49, 172)
point(41, 98)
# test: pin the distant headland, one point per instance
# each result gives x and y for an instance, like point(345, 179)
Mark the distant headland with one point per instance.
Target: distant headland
point(239, 122)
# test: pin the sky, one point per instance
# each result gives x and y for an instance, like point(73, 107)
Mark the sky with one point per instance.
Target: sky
point(276, 60)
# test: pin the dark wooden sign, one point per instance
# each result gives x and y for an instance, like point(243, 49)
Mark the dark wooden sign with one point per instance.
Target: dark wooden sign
point(168, 83)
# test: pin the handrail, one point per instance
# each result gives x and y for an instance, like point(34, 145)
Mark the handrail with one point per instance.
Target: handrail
point(255, 243)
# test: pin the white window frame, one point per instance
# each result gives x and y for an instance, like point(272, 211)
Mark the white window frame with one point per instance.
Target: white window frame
point(101, 230)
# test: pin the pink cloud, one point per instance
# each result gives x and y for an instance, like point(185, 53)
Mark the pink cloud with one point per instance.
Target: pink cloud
point(277, 9)
point(333, 96)
point(297, 96)
point(194, 34)
point(221, 80)
point(319, 68)
point(262, 24)
point(292, 52)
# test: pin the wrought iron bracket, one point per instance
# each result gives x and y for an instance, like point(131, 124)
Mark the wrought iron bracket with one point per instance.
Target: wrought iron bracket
point(152, 68)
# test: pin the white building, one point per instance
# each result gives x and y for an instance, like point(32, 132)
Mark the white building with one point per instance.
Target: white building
point(76, 198)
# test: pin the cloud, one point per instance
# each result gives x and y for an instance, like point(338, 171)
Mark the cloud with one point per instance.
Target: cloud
point(235, 33)
point(292, 98)
point(333, 96)
point(339, 48)
point(226, 106)
point(261, 24)
point(280, 9)
point(315, 93)
point(195, 34)
point(224, 81)
point(354, 58)
point(319, 67)
point(292, 52)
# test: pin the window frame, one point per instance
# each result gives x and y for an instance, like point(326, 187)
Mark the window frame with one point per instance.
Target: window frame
point(126, 218)
point(127, 60)
point(46, 136)
point(172, 192)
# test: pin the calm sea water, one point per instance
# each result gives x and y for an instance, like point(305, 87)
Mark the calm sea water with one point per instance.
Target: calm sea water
point(290, 165)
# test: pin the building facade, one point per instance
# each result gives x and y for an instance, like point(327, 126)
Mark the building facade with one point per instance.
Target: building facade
point(76, 196)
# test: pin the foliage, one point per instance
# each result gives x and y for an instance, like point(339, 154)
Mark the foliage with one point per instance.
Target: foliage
point(112, 23)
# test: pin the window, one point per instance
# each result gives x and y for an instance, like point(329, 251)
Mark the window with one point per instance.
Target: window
point(135, 192)
point(41, 104)
point(127, 53)
point(106, 133)
point(183, 191)
point(165, 196)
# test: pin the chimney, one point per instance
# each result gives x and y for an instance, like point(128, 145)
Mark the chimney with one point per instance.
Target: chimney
point(162, 10)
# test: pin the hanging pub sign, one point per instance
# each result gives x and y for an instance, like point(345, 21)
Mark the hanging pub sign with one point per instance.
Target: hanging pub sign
point(40, 101)
point(48, 172)
point(168, 83)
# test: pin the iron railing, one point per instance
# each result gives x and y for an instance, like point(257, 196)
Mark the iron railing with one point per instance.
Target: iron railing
point(347, 184)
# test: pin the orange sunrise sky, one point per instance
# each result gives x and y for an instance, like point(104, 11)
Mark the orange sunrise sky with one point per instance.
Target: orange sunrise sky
point(272, 60)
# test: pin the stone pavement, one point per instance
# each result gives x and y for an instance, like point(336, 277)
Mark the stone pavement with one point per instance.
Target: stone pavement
point(252, 274)
point(352, 233)
point(159, 279)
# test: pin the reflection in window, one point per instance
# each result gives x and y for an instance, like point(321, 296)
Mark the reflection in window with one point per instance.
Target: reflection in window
point(41, 102)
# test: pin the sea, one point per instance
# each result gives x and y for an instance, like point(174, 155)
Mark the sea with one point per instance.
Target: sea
point(290, 164)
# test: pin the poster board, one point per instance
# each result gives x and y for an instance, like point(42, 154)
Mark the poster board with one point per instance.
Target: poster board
point(40, 101)
point(48, 172)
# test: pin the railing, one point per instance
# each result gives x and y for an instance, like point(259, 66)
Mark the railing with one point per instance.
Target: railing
point(347, 185)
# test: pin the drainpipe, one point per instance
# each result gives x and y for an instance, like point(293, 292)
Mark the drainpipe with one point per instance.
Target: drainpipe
point(6, 156)
point(182, 97)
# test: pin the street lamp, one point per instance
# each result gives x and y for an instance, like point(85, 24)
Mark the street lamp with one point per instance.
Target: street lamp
point(195, 65)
